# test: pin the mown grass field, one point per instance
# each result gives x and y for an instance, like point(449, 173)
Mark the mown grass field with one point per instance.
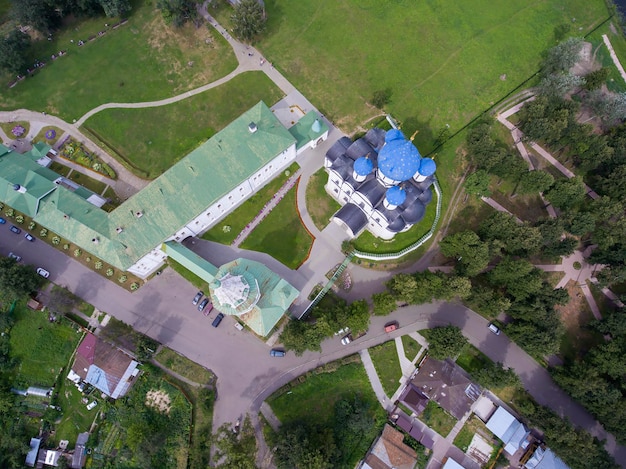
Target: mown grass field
point(281, 234)
point(443, 60)
point(153, 139)
point(387, 364)
point(143, 60)
point(42, 347)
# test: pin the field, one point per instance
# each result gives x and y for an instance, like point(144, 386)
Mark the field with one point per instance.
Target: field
point(142, 60)
point(387, 364)
point(245, 213)
point(318, 203)
point(411, 347)
point(281, 234)
point(153, 139)
point(42, 347)
point(443, 61)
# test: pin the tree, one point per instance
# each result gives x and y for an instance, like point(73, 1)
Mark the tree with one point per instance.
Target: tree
point(559, 84)
point(16, 280)
point(13, 52)
point(614, 184)
point(579, 223)
point(403, 287)
point(35, 13)
point(494, 375)
point(610, 107)
point(248, 19)
point(511, 236)
point(356, 316)
point(596, 79)
point(567, 192)
point(488, 301)
point(477, 184)
point(304, 445)
point(380, 98)
point(511, 167)
point(471, 253)
point(61, 300)
point(115, 7)
point(300, 336)
point(520, 278)
point(236, 450)
point(178, 12)
point(444, 342)
point(384, 303)
point(455, 287)
point(562, 57)
point(535, 181)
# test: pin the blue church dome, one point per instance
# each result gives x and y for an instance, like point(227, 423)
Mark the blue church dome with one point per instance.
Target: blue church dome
point(399, 159)
point(427, 167)
point(395, 195)
point(394, 134)
point(363, 166)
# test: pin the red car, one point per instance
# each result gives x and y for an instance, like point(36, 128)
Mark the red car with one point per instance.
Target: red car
point(391, 326)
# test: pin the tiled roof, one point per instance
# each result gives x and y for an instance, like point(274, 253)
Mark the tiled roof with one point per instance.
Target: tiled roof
point(389, 451)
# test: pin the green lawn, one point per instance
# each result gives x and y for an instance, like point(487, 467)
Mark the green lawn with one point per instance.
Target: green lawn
point(245, 213)
point(8, 127)
point(188, 275)
point(43, 348)
point(153, 139)
point(387, 364)
point(88, 182)
point(143, 60)
point(60, 169)
point(471, 359)
point(41, 136)
point(281, 234)
point(443, 61)
point(437, 418)
point(315, 398)
point(184, 367)
point(76, 418)
point(319, 204)
point(411, 347)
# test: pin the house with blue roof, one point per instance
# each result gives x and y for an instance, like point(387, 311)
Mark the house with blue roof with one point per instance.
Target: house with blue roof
point(381, 181)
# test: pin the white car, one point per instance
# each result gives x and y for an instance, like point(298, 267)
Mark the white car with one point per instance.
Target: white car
point(345, 330)
point(43, 272)
point(15, 256)
point(493, 328)
point(91, 405)
point(346, 340)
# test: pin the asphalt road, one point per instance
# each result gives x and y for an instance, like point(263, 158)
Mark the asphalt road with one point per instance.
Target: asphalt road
point(246, 373)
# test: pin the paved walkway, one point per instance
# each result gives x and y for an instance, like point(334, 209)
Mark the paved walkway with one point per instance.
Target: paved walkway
point(614, 57)
point(374, 379)
point(499, 208)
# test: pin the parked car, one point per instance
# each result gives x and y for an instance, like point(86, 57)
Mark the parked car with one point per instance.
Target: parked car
point(43, 272)
point(493, 328)
point(217, 320)
point(2, 221)
point(203, 304)
point(346, 340)
point(15, 229)
point(345, 330)
point(91, 405)
point(391, 326)
point(196, 298)
point(15, 256)
point(29, 237)
point(275, 352)
point(208, 309)
point(238, 326)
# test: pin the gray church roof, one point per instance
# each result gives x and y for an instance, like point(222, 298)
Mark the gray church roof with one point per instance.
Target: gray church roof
point(359, 148)
point(338, 148)
point(373, 191)
point(376, 138)
point(414, 212)
point(353, 217)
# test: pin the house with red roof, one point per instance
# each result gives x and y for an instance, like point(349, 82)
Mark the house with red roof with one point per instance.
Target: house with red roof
point(103, 366)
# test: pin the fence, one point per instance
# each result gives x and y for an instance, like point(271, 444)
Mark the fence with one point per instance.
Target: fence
point(415, 245)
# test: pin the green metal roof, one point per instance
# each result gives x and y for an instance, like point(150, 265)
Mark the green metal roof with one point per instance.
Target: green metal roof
point(37, 180)
point(199, 179)
point(276, 295)
point(190, 260)
point(304, 130)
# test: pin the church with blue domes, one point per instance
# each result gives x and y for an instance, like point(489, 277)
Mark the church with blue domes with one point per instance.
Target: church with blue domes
point(381, 181)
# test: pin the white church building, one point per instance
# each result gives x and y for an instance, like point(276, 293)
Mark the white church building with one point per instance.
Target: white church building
point(381, 181)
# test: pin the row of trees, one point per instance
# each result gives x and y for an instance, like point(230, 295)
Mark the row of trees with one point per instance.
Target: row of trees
point(331, 315)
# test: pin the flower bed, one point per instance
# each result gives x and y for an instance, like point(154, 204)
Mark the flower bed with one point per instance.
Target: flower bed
point(75, 152)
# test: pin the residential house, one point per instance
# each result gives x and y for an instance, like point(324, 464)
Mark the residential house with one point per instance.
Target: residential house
point(390, 452)
point(511, 431)
point(544, 458)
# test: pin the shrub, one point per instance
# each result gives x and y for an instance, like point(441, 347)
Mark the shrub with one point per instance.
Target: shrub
point(108, 171)
point(1, 205)
point(32, 225)
point(19, 219)
point(88, 259)
point(109, 272)
point(97, 265)
point(134, 286)
point(226, 228)
point(56, 240)
point(43, 233)
point(77, 252)
point(10, 212)
point(122, 279)
point(66, 246)
point(577, 265)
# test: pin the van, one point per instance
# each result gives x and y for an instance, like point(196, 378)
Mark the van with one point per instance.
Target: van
point(493, 328)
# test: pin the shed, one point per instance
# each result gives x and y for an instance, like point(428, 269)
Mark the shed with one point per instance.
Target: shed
point(31, 456)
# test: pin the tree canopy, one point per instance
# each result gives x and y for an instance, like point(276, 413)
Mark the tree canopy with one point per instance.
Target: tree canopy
point(444, 342)
point(248, 19)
